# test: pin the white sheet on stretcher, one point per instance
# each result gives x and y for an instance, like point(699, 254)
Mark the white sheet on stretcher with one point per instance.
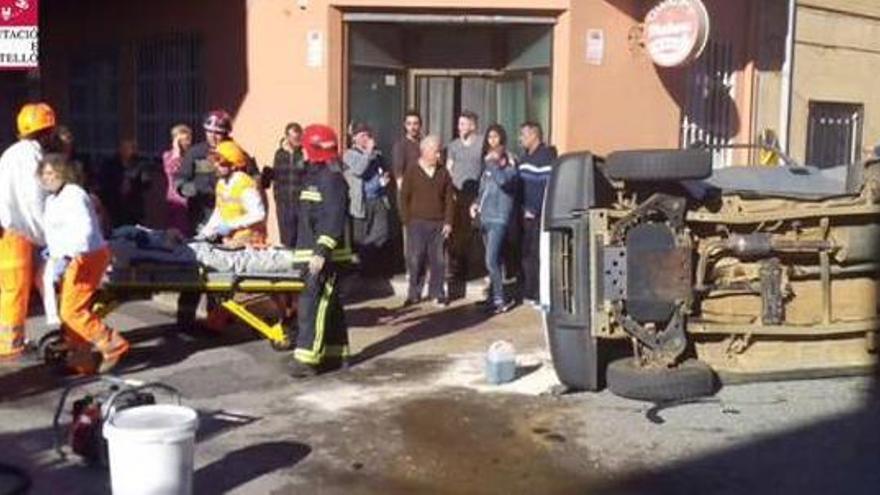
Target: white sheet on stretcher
point(268, 260)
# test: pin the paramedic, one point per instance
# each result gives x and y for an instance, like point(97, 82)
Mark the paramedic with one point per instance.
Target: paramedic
point(21, 222)
point(78, 258)
point(239, 216)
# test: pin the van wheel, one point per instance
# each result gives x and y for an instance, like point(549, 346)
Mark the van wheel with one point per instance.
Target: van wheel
point(659, 165)
point(690, 379)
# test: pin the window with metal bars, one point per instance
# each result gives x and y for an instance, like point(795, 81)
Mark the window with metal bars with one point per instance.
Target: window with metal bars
point(170, 89)
point(710, 111)
point(94, 102)
point(16, 92)
point(834, 133)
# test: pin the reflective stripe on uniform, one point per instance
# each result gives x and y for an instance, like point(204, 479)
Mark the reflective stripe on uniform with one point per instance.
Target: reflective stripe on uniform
point(313, 196)
point(316, 353)
point(326, 240)
point(338, 255)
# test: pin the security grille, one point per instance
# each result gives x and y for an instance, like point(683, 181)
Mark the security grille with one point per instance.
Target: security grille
point(14, 88)
point(710, 109)
point(834, 133)
point(94, 102)
point(170, 89)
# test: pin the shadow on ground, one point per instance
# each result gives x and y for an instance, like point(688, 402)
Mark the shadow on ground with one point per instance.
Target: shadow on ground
point(152, 347)
point(247, 464)
point(50, 471)
point(837, 455)
point(421, 328)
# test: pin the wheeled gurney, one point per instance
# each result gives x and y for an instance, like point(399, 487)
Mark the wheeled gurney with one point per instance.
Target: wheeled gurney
point(145, 279)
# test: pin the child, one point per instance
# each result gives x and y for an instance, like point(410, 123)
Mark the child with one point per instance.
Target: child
point(78, 258)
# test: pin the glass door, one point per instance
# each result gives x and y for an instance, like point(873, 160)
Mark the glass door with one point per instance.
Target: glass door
point(435, 96)
point(376, 96)
point(508, 99)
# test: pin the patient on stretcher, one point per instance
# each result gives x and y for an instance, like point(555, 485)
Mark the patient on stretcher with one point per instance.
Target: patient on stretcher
point(135, 245)
point(233, 239)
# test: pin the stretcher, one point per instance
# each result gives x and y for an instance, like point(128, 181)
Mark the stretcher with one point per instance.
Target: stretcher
point(149, 278)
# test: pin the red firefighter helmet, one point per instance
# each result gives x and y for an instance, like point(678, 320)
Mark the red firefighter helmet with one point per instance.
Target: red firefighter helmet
point(320, 144)
point(218, 121)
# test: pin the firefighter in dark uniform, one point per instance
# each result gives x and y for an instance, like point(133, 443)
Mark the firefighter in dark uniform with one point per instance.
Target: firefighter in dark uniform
point(322, 338)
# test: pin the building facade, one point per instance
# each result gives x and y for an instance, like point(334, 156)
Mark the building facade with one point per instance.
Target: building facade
point(129, 69)
point(579, 67)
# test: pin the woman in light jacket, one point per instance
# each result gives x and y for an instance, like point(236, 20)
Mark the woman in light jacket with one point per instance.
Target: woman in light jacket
point(494, 206)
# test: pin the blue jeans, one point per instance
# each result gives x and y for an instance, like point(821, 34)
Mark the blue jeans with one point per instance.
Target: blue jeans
point(493, 238)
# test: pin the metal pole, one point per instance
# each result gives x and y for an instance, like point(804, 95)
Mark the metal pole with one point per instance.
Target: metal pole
point(786, 85)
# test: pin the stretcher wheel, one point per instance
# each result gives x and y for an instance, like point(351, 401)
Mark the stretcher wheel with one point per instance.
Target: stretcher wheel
point(289, 341)
point(281, 346)
point(52, 348)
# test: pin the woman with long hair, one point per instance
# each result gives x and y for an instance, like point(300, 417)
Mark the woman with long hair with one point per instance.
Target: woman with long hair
point(494, 206)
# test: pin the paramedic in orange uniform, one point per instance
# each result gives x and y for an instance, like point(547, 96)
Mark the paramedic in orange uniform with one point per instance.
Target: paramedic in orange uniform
point(21, 222)
point(78, 258)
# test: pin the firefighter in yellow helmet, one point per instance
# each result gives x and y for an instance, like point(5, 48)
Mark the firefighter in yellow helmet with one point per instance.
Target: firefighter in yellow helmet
point(239, 217)
point(21, 222)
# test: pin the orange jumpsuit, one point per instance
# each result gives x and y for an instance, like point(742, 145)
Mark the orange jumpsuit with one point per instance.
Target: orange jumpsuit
point(73, 234)
point(21, 210)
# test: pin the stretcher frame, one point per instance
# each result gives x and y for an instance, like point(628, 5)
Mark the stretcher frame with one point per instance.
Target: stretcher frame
point(223, 286)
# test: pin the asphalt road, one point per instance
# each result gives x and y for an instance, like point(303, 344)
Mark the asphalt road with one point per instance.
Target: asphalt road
point(413, 415)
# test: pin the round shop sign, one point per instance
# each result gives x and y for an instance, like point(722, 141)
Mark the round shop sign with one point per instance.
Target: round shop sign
point(676, 32)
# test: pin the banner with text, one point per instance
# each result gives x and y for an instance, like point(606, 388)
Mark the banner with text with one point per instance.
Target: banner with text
point(19, 34)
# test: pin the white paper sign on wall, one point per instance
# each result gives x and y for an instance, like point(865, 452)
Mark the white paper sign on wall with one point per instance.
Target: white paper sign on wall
point(315, 49)
point(595, 46)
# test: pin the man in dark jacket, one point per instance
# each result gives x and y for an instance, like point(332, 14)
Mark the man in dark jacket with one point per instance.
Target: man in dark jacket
point(286, 177)
point(322, 336)
point(123, 182)
point(535, 167)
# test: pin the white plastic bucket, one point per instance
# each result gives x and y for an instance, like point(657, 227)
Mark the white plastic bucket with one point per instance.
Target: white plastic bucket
point(151, 450)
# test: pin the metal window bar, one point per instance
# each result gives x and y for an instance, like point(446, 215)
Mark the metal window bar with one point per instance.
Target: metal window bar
point(710, 103)
point(834, 133)
point(15, 91)
point(94, 106)
point(169, 89)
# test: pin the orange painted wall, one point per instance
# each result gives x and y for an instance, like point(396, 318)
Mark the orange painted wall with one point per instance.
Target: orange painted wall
point(623, 102)
point(255, 61)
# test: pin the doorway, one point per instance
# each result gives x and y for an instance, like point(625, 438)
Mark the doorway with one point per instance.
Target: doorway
point(500, 69)
point(496, 96)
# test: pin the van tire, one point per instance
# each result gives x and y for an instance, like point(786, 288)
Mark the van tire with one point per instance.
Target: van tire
point(658, 165)
point(688, 380)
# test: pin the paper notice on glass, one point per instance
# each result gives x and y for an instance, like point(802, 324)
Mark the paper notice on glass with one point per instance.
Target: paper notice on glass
point(595, 46)
point(314, 49)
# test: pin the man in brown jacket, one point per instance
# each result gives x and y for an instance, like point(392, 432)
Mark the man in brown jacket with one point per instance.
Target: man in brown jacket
point(426, 206)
